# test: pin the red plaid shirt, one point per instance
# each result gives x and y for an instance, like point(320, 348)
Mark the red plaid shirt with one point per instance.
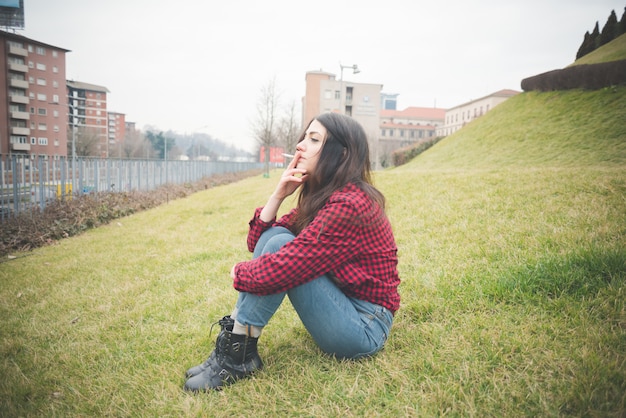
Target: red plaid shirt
point(350, 238)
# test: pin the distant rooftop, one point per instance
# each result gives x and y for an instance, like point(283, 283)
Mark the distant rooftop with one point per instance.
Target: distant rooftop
point(79, 85)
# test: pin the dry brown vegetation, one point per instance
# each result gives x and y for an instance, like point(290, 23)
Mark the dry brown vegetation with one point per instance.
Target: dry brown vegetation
point(64, 218)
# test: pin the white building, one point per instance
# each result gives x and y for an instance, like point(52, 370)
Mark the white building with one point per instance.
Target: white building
point(457, 117)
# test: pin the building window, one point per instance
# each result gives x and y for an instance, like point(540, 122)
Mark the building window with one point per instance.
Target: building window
point(18, 140)
point(40, 50)
point(43, 127)
point(43, 141)
point(390, 132)
point(41, 66)
point(337, 94)
point(55, 53)
point(42, 96)
point(41, 82)
point(33, 141)
point(42, 111)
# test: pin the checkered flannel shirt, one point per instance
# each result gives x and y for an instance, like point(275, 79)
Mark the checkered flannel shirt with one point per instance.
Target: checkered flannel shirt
point(350, 239)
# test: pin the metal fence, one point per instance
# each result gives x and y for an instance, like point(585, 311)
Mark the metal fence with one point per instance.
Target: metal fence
point(28, 182)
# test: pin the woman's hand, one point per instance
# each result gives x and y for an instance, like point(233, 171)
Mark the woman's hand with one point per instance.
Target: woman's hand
point(291, 179)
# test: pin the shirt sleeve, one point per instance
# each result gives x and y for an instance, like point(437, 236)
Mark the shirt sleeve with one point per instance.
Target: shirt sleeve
point(257, 226)
point(326, 243)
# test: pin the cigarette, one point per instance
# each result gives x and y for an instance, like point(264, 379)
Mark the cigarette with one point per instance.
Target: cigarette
point(288, 155)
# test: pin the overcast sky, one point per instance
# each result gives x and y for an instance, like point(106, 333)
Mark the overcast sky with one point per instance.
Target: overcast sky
point(199, 66)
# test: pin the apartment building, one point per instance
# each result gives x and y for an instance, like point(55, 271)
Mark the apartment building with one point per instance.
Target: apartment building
point(457, 117)
point(362, 101)
point(33, 99)
point(88, 114)
point(400, 128)
point(116, 131)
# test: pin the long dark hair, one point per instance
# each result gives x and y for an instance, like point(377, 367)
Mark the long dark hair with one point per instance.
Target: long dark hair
point(344, 159)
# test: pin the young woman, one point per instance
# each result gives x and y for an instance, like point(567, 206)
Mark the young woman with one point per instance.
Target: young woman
point(334, 256)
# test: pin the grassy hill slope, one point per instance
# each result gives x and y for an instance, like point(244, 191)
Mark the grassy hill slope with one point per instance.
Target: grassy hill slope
point(565, 129)
point(512, 250)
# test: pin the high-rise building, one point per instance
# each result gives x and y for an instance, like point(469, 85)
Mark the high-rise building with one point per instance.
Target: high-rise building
point(33, 97)
point(88, 115)
point(116, 132)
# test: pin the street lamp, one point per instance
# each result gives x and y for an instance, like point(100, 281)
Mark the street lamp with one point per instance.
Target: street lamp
point(355, 70)
point(74, 115)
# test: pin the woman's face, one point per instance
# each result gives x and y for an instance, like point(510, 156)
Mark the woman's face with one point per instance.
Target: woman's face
point(310, 148)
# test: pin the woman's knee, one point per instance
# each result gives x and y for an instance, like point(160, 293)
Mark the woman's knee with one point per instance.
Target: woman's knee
point(273, 239)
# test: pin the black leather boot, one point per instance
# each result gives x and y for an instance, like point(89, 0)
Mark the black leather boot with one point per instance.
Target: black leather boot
point(226, 324)
point(235, 357)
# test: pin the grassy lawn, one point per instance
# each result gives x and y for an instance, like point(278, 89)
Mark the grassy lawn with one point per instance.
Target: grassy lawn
point(512, 246)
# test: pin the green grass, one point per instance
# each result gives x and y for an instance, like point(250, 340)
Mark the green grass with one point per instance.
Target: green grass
point(612, 51)
point(511, 237)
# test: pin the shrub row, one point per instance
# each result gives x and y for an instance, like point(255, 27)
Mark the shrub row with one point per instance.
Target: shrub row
point(587, 76)
point(406, 154)
point(65, 218)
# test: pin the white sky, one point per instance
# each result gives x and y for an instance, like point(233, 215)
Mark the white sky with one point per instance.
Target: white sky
point(199, 65)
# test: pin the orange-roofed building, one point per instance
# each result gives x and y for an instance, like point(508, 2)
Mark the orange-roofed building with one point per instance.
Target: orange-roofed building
point(400, 128)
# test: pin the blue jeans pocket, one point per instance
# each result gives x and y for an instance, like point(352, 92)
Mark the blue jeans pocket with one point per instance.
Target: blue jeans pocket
point(377, 321)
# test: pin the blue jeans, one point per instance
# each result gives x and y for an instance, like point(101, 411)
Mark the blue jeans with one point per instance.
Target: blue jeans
point(340, 325)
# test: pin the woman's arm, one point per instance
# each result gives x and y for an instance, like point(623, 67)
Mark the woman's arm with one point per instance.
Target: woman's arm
point(291, 179)
point(326, 243)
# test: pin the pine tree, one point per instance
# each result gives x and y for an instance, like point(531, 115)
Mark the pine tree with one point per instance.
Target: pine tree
point(622, 24)
point(595, 37)
point(608, 31)
point(586, 47)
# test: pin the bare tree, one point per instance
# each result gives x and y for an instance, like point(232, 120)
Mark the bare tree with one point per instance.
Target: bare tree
point(87, 142)
point(136, 145)
point(264, 126)
point(289, 129)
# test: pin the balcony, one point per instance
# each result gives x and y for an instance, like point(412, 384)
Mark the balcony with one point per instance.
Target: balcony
point(19, 99)
point(20, 131)
point(20, 147)
point(20, 84)
point(15, 50)
point(20, 115)
point(20, 68)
